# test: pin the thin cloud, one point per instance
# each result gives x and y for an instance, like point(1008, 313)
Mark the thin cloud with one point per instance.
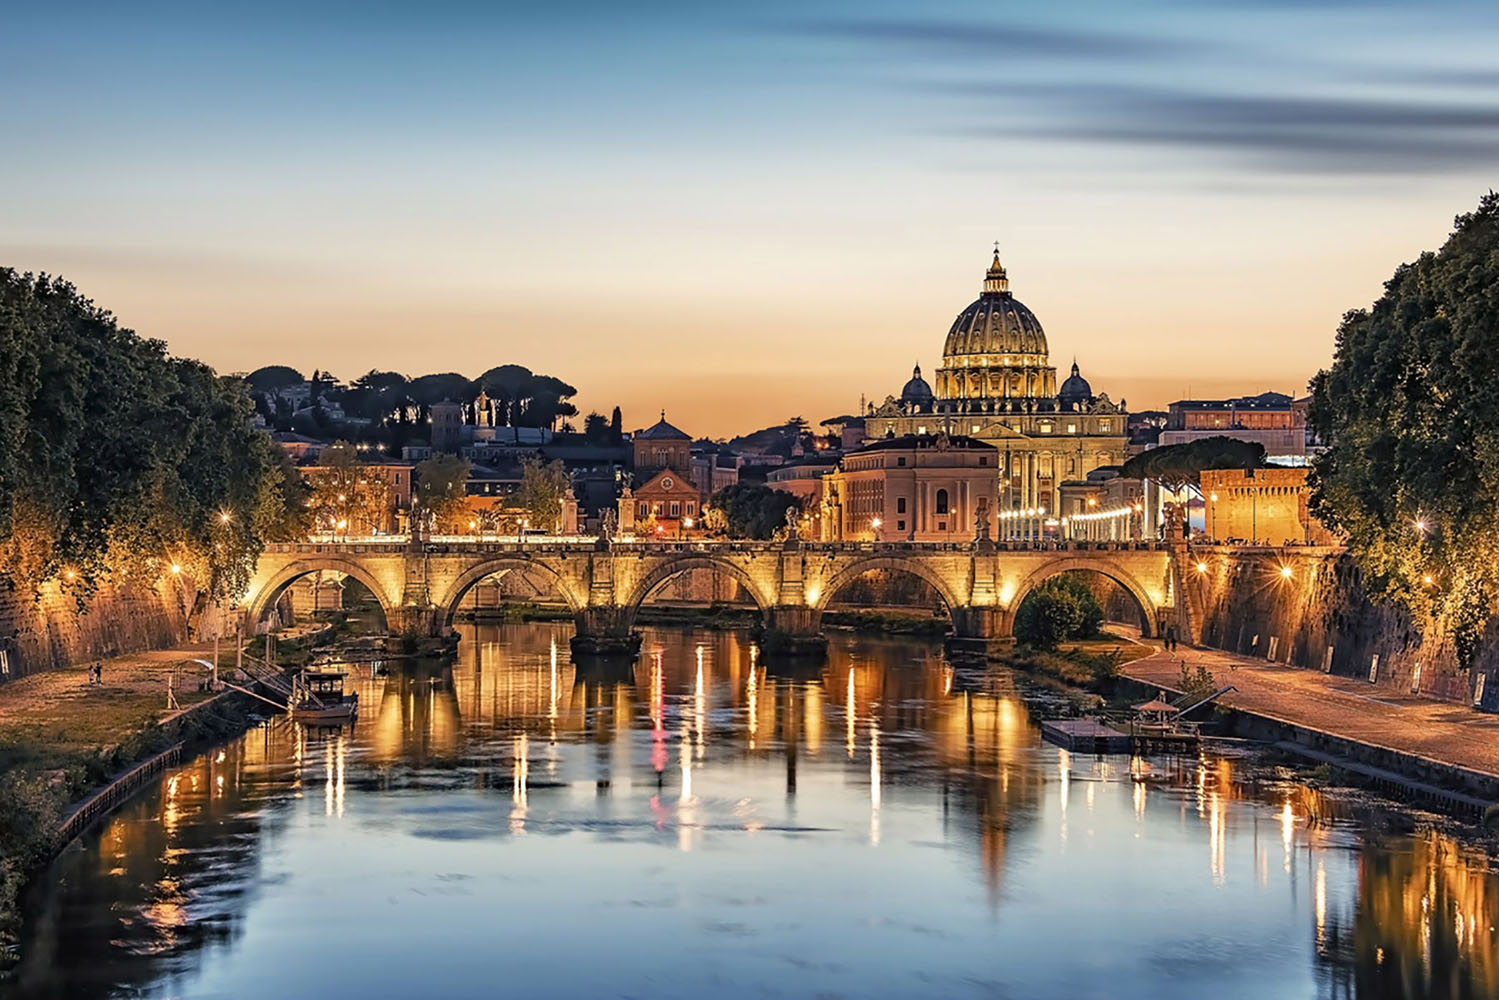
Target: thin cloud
point(1290, 133)
point(987, 38)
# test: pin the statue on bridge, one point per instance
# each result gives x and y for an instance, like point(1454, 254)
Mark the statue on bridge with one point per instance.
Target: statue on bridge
point(981, 524)
point(793, 524)
point(423, 522)
point(608, 527)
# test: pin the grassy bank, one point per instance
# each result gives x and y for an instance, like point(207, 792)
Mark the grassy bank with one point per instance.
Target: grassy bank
point(1086, 671)
point(62, 738)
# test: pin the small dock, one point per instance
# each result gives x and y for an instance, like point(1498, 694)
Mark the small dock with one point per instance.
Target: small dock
point(1090, 736)
point(1087, 736)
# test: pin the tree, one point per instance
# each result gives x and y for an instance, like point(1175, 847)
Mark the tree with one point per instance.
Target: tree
point(616, 427)
point(543, 486)
point(116, 459)
point(441, 487)
point(1410, 411)
point(1178, 466)
point(752, 510)
point(1062, 608)
point(596, 428)
point(346, 499)
point(1047, 617)
point(273, 377)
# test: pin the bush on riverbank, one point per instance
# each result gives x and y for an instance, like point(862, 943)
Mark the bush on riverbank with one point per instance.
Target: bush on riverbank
point(44, 775)
point(1062, 608)
point(1069, 670)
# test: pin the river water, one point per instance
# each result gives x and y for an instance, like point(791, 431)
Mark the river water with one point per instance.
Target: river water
point(700, 826)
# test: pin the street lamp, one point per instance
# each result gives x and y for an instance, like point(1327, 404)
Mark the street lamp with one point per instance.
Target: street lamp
point(874, 524)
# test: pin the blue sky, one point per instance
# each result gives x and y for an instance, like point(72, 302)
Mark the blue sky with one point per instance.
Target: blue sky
point(742, 213)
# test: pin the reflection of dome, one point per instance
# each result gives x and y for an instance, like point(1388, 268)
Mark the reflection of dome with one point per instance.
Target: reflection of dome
point(1075, 391)
point(916, 390)
point(996, 323)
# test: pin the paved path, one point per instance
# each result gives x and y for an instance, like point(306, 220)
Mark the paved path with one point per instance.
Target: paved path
point(1443, 731)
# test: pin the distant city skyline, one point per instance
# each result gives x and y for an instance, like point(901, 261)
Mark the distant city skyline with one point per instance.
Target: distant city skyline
point(743, 216)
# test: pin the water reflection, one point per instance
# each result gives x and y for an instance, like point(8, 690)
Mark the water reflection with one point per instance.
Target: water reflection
point(883, 826)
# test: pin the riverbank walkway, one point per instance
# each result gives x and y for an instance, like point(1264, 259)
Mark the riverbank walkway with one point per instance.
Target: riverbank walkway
point(51, 715)
point(1340, 706)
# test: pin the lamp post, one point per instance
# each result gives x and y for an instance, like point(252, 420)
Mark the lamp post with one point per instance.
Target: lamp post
point(874, 524)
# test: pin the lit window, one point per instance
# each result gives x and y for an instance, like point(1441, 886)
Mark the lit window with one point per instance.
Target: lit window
point(1072, 428)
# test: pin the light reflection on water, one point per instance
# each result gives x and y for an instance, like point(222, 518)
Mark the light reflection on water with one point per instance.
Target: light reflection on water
point(699, 825)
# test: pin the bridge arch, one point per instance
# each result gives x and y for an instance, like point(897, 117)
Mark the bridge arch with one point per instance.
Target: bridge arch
point(263, 599)
point(677, 565)
point(916, 567)
point(1092, 564)
point(470, 577)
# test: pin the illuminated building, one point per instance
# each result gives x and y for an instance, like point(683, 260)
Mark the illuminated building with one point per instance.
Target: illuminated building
point(997, 384)
point(918, 487)
point(1267, 505)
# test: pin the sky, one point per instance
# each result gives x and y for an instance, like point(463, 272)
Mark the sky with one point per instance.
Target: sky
point(742, 213)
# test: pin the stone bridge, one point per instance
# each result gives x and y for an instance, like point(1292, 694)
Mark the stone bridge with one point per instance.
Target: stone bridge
point(420, 584)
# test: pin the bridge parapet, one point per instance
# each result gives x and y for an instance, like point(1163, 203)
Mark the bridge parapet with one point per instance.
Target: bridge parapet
point(420, 585)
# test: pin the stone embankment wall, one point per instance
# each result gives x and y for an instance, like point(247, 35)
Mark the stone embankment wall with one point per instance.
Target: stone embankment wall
point(1320, 617)
point(48, 630)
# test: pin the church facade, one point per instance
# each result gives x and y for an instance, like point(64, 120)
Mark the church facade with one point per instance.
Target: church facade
point(996, 384)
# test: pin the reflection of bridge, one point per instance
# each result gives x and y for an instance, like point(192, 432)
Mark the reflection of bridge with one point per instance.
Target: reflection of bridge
point(419, 585)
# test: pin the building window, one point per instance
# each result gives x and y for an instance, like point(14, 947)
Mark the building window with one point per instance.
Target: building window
point(900, 461)
point(676, 509)
point(1046, 428)
point(691, 508)
point(900, 526)
point(645, 510)
point(942, 502)
point(983, 460)
point(1072, 428)
point(1103, 425)
point(900, 505)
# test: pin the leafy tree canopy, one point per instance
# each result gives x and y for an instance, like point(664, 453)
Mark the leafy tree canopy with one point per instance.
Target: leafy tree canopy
point(750, 510)
point(1410, 411)
point(1180, 465)
point(1062, 608)
point(543, 487)
point(273, 377)
point(117, 459)
point(429, 389)
point(441, 486)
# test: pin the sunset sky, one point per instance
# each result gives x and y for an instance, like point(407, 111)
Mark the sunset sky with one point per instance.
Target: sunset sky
point(743, 212)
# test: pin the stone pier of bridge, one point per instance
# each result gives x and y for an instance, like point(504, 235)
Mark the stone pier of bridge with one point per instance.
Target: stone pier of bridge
point(421, 582)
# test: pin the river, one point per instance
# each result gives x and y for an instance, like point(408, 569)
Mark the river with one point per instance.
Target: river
point(700, 826)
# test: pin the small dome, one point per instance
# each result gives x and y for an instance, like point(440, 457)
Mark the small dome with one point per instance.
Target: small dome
point(916, 390)
point(1075, 391)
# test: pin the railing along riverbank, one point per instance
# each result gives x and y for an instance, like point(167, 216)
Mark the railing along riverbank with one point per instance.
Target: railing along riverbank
point(121, 789)
point(115, 794)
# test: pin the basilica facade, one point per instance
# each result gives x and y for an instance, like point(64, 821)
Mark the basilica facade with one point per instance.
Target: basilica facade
point(997, 385)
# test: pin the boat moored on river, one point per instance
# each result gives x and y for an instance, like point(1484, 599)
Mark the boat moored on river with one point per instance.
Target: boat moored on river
point(318, 697)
